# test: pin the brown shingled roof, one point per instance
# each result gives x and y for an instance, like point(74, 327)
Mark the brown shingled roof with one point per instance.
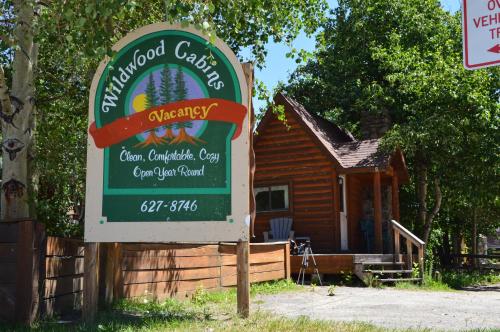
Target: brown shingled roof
point(341, 145)
point(362, 154)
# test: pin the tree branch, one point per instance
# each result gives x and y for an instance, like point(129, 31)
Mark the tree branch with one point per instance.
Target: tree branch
point(437, 205)
point(6, 106)
point(7, 40)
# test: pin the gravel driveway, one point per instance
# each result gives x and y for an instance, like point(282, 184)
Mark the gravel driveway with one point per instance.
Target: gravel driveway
point(392, 308)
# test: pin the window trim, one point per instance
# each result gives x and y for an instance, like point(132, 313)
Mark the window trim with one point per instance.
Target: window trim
point(269, 188)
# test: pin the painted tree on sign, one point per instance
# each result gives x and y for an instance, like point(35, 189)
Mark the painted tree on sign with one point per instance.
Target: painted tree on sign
point(166, 96)
point(151, 101)
point(151, 94)
point(181, 94)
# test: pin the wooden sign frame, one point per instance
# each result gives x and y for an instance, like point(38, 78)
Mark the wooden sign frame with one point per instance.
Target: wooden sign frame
point(236, 225)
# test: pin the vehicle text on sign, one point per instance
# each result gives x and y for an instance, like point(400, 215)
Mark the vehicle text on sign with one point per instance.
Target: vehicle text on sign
point(481, 33)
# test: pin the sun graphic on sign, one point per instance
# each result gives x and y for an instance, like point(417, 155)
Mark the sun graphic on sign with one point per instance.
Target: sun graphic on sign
point(139, 103)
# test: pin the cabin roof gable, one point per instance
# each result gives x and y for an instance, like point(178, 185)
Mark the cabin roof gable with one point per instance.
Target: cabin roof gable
point(338, 144)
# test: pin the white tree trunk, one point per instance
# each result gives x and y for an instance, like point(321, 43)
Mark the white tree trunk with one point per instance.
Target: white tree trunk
point(17, 116)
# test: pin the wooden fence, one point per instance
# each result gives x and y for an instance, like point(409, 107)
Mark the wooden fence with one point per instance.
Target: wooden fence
point(28, 288)
point(21, 249)
point(63, 284)
point(166, 270)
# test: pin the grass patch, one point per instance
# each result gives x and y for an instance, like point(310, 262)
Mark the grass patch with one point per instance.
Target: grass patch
point(428, 284)
point(461, 279)
point(266, 288)
point(452, 280)
point(203, 312)
point(258, 321)
point(206, 311)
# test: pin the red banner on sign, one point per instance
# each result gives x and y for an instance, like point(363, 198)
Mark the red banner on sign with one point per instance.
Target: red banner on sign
point(211, 109)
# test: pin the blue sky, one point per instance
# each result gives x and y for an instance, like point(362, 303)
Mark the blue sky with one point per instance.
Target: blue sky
point(278, 67)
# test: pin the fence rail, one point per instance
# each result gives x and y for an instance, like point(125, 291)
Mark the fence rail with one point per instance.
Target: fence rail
point(42, 276)
point(411, 240)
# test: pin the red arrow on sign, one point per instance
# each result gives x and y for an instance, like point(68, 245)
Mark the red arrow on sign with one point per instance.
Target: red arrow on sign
point(495, 49)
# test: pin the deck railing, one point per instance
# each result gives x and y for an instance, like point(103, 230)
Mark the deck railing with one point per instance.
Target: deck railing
point(411, 240)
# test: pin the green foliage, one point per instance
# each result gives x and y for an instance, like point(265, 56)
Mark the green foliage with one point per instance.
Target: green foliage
point(452, 280)
point(274, 287)
point(74, 36)
point(331, 290)
point(141, 320)
point(461, 279)
point(415, 271)
point(346, 278)
point(405, 57)
point(168, 310)
point(428, 284)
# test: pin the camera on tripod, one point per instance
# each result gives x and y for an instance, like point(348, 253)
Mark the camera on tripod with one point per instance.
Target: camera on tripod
point(304, 249)
point(298, 246)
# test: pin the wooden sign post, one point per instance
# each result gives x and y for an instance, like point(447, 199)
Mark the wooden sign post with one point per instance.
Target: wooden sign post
point(243, 247)
point(169, 146)
point(90, 281)
point(243, 278)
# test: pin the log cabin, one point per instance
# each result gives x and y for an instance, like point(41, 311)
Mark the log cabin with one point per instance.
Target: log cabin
point(341, 193)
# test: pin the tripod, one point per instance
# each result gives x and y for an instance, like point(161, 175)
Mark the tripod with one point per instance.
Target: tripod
point(308, 253)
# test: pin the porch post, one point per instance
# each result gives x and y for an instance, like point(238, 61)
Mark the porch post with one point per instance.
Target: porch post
point(336, 211)
point(395, 198)
point(377, 205)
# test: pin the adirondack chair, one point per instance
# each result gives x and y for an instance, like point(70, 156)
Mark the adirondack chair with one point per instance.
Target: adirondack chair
point(281, 230)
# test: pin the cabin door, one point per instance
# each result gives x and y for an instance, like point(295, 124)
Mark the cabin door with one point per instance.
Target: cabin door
point(343, 214)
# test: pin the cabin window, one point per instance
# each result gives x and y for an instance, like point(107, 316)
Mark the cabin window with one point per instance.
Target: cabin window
point(274, 198)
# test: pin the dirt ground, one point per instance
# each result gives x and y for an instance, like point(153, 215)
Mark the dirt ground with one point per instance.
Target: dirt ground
point(477, 308)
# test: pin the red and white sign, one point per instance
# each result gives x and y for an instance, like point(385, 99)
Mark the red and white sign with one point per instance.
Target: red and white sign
point(481, 33)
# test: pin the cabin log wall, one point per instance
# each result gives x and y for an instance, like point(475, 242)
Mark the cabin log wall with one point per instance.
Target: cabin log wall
point(291, 156)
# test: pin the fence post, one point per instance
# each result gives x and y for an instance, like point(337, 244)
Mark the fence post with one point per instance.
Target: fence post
point(90, 281)
point(397, 246)
point(409, 251)
point(26, 307)
point(41, 245)
point(287, 260)
point(421, 249)
point(111, 276)
point(118, 272)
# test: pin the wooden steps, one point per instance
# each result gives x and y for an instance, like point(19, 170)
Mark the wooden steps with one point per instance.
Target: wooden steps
point(375, 269)
point(388, 280)
point(383, 263)
point(387, 271)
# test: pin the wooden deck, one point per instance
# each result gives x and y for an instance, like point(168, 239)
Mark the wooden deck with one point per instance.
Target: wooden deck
point(327, 263)
point(337, 263)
